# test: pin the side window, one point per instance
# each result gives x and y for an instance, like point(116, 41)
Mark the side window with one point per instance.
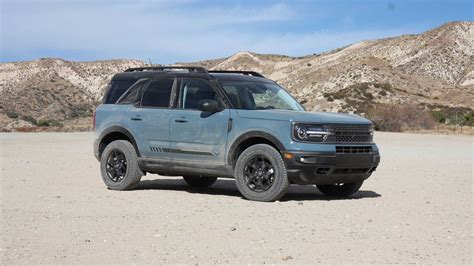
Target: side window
point(233, 95)
point(115, 89)
point(192, 91)
point(132, 95)
point(158, 93)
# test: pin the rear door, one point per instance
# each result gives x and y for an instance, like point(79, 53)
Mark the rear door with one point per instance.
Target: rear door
point(197, 138)
point(151, 119)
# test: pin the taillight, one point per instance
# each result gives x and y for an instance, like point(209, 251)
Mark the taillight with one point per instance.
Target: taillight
point(93, 121)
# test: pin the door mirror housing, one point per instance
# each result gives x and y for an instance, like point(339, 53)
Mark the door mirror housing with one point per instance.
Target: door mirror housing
point(209, 105)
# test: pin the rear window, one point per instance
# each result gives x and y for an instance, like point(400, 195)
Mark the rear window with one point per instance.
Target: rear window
point(115, 89)
point(158, 93)
point(132, 95)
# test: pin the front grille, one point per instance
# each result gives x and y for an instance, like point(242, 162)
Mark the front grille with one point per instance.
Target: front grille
point(353, 149)
point(349, 127)
point(352, 137)
point(346, 133)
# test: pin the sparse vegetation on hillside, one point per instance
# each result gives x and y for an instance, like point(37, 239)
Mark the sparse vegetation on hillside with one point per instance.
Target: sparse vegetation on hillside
point(397, 118)
point(360, 97)
point(368, 99)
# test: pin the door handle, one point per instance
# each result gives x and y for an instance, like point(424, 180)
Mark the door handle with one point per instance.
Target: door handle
point(181, 120)
point(136, 119)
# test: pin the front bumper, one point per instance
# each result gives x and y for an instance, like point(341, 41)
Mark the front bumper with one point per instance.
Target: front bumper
point(322, 168)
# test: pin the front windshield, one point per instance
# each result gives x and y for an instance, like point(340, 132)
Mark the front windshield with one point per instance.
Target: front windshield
point(250, 95)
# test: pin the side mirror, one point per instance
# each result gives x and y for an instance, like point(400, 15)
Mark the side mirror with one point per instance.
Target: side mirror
point(209, 105)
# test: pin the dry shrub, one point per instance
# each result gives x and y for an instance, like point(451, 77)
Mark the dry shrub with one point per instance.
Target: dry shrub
point(397, 118)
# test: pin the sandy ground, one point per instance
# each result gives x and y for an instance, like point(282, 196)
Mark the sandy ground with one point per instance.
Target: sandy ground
point(417, 208)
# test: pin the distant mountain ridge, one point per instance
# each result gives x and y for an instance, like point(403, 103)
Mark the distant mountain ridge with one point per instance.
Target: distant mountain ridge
point(434, 69)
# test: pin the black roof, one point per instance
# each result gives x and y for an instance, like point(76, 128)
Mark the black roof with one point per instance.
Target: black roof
point(238, 77)
point(132, 75)
point(189, 71)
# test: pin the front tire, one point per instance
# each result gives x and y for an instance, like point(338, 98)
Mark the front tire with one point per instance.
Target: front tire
point(340, 190)
point(260, 173)
point(119, 166)
point(199, 181)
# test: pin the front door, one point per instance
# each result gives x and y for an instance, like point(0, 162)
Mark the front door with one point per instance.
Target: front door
point(197, 138)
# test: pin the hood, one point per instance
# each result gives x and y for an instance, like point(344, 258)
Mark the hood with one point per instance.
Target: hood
point(302, 116)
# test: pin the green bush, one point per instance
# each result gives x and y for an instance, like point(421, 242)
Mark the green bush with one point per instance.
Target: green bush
point(49, 123)
point(43, 123)
point(439, 116)
point(453, 115)
point(55, 123)
point(469, 119)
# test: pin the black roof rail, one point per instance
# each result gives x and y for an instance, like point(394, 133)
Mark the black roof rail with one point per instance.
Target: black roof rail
point(189, 68)
point(248, 73)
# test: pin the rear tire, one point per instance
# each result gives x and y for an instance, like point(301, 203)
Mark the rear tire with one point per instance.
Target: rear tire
point(260, 173)
point(119, 166)
point(340, 190)
point(199, 181)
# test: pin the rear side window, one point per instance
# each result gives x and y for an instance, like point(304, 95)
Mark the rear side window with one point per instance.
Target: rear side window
point(115, 89)
point(132, 95)
point(158, 93)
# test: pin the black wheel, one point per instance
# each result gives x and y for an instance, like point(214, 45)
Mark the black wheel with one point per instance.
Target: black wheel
point(340, 190)
point(199, 181)
point(260, 173)
point(119, 166)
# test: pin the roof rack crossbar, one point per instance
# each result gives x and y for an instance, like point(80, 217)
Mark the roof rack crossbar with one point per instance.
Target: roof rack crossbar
point(189, 68)
point(249, 73)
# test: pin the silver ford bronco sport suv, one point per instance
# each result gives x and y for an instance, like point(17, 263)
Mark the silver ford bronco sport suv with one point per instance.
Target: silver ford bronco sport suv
point(199, 124)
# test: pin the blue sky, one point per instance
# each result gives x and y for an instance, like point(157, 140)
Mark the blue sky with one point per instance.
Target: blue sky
point(186, 30)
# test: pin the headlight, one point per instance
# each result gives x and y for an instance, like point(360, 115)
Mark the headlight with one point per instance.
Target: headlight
point(309, 132)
